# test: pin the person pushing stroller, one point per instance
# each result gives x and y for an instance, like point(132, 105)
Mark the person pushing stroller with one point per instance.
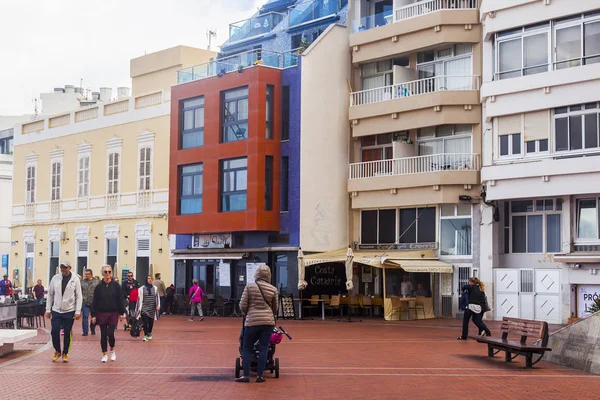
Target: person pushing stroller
point(259, 304)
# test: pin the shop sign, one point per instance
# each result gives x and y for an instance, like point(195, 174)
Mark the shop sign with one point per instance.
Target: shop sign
point(399, 246)
point(212, 241)
point(586, 296)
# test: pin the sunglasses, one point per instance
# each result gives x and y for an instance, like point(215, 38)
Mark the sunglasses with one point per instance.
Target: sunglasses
point(63, 267)
point(107, 272)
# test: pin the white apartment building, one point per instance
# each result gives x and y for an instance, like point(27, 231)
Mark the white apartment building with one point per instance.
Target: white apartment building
point(540, 233)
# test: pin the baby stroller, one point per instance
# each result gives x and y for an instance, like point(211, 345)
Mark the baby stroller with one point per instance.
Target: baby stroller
point(272, 363)
point(131, 320)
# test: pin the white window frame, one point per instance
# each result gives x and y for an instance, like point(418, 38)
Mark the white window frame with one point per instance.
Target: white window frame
point(143, 231)
point(454, 217)
point(544, 213)
point(388, 74)
point(111, 231)
point(444, 60)
point(116, 162)
point(55, 180)
point(510, 146)
point(443, 139)
point(145, 141)
point(31, 161)
point(585, 241)
point(582, 114)
point(145, 164)
point(376, 146)
point(520, 34)
point(83, 176)
point(537, 151)
point(113, 146)
point(580, 20)
point(84, 150)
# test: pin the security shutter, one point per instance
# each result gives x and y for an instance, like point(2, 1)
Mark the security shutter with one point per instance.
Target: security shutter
point(143, 248)
point(509, 124)
point(537, 125)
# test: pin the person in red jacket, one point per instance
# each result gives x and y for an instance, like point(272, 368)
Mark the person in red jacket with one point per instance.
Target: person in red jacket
point(130, 291)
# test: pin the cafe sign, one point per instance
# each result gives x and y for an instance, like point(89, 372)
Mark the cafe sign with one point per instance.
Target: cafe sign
point(212, 241)
point(586, 296)
point(399, 246)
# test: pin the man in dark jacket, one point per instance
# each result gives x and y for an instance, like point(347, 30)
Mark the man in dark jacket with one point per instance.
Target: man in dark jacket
point(130, 291)
point(88, 285)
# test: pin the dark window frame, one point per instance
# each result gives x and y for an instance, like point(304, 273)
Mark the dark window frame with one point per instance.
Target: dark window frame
point(414, 225)
point(269, 173)
point(193, 131)
point(230, 121)
point(285, 113)
point(225, 196)
point(284, 205)
point(270, 99)
point(378, 226)
point(193, 196)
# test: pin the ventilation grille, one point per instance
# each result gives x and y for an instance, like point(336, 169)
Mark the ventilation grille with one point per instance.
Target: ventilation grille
point(83, 246)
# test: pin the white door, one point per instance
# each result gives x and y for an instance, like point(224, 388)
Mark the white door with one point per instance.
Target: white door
point(527, 294)
point(547, 298)
point(506, 284)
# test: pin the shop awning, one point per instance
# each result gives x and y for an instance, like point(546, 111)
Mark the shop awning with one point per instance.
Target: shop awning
point(433, 266)
point(207, 256)
point(375, 258)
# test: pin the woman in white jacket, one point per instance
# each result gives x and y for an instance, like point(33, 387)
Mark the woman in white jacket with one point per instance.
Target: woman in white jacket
point(147, 307)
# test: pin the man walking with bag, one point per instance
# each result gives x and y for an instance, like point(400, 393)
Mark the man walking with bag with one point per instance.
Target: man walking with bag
point(64, 305)
point(88, 285)
point(196, 296)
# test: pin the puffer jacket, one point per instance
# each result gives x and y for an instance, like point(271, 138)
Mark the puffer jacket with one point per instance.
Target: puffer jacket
point(257, 310)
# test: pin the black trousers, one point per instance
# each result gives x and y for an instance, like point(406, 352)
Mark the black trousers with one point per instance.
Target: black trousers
point(477, 320)
point(148, 323)
point(107, 337)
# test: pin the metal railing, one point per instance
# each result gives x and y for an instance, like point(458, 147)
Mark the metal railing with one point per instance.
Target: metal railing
point(310, 10)
point(425, 7)
point(246, 59)
point(257, 25)
point(415, 165)
point(414, 88)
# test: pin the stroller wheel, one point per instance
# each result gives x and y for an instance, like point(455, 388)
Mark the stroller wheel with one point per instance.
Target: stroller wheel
point(125, 327)
point(277, 368)
point(238, 367)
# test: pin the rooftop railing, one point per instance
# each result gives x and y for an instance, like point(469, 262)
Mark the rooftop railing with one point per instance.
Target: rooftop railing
point(255, 26)
point(311, 10)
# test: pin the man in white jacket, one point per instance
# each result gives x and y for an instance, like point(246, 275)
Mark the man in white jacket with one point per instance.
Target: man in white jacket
point(64, 305)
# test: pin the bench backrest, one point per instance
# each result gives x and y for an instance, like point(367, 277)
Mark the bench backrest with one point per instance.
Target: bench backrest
point(525, 328)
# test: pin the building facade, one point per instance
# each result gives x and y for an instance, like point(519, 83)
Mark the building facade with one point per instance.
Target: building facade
point(6, 169)
point(89, 186)
point(540, 96)
point(251, 134)
point(415, 116)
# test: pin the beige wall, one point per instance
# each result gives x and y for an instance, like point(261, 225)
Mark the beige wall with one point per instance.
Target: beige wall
point(325, 142)
point(6, 169)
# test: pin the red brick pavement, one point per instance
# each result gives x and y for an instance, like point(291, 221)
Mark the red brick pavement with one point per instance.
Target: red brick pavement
point(325, 360)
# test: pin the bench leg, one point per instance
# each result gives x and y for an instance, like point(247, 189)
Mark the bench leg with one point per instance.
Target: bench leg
point(529, 360)
point(6, 348)
point(507, 356)
point(490, 351)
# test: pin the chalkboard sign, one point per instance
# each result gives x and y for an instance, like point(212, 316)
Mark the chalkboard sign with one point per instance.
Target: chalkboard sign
point(124, 273)
point(325, 279)
point(286, 307)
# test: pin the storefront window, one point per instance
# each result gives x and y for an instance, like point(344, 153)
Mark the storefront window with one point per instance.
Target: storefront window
point(456, 230)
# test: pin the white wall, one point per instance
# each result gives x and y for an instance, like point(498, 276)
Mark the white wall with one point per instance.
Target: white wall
point(6, 169)
point(57, 102)
point(324, 142)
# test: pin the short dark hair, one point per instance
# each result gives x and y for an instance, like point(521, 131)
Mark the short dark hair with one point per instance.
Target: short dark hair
point(90, 271)
point(156, 275)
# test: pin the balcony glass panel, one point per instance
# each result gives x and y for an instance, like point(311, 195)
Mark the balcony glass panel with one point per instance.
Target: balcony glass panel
point(254, 26)
point(314, 9)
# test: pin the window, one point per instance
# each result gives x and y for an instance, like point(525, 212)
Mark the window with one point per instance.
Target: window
point(279, 238)
point(235, 115)
point(534, 226)
point(577, 41)
point(56, 176)
point(453, 62)
point(378, 227)
point(145, 157)
point(417, 225)
point(285, 183)
point(6, 145)
point(111, 252)
point(281, 272)
point(268, 183)
point(30, 186)
point(113, 173)
point(83, 177)
point(191, 189)
point(444, 139)
point(510, 145)
point(577, 127)
point(234, 184)
point(54, 251)
point(376, 147)
point(587, 219)
point(455, 230)
point(285, 113)
point(536, 146)
point(269, 111)
point(192, 117)
point(524, 51)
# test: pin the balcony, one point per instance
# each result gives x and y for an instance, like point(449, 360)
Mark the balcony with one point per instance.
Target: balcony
point(414, 88)
point(233, 63)
point(253, 27)
point(313, 10)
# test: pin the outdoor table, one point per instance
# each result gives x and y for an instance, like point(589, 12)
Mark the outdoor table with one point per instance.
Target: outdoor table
point(308, 299)
point(407, 300)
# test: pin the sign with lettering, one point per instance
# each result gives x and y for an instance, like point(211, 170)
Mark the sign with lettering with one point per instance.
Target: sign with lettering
point(224, 274)
point(212, 241)
point(328, 278)
point(586, 295)
point(399, 246)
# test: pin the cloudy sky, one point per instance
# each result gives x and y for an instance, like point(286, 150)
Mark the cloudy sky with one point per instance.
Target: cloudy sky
point(52, 43)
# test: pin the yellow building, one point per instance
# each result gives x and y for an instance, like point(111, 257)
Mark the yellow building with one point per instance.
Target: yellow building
point(91, 185)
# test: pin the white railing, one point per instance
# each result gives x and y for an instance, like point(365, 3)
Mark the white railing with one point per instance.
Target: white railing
point(33, 127)
point(415, 165)
point(148, 100)
point(87, 114)
point(112, 202)
point(144, 199)
point(118, 107)
point(59, 121)
point(55, 209)
point(429, 6)
point(30, 211)
point(414, 88)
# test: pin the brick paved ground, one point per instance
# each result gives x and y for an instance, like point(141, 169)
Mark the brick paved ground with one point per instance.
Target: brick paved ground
point(325, 360)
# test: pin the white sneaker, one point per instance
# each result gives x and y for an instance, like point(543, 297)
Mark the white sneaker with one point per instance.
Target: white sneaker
point(113, 355)
point(104, 358)
point(145, 339)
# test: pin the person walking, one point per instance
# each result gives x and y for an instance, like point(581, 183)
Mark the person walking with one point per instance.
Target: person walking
point(130, 292)
point(88, 286)
point(259, 305)
point(108, 308)
point(162, 290)
point(475, 291)
point(148, 307)
point(196, 294)
point(38, 292)
point(63, 306)
point(170, 300)
point(5, 286)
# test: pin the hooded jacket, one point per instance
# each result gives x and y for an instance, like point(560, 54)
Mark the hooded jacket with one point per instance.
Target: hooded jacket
point(259, 310)
point(70, 301)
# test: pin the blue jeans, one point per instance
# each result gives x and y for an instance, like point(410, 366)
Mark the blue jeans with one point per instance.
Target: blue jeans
point(62, 321)
point(85, 314)
point(39, 301)
point(262, 333)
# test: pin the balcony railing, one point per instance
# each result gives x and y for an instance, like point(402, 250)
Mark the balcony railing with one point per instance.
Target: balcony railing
point(255, 26)
point(415, 165)
point(234, 63)
point(414, 88)
point(311, 10)
point(412, 10)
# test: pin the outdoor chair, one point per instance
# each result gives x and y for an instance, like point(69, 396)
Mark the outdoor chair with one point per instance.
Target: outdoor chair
point(396, 306)
point(314, 303)
point(353, 304)
point(334, 304)
point(366, 305)
point(205, 306)
point(181, 305)
point(219, 305)
point(417, 305)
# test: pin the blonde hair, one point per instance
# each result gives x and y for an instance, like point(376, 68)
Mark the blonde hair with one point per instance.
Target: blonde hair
point(478, 283)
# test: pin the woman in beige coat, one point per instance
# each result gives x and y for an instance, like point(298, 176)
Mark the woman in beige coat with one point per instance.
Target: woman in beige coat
point(259, 304)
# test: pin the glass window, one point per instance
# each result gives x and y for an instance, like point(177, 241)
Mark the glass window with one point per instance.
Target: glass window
point(446, 139)
point(192, 115)
point(113, 173)
point(281, 272)
point(376, 147)
point(368, 227)
point(268, 183)
point(576, 128)
point(534, 225)
point(269, 112)
point(587, 219)
point(83, 177)
point(111, 246)
point(591, 130)
point(455, 230)
point(510, 145)
point(144, 171)
point(408, 225)
point(285, 113)
point(191, 182)
point(30, 184)
point(553, 242)
point(568, 47)
point(426, 225)
point(522, 52)
point(387, 226)
point(235, 115)
point(56, 177)
point(535, 242)
point(234, 183)
point(591, 42)
point(285, 183)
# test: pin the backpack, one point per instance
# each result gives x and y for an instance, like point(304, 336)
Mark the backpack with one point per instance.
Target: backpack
point(135, 329)
point(463, 301)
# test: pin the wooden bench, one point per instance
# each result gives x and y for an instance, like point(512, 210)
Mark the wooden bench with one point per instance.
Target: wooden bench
point(8, 338)
point(524, 328)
